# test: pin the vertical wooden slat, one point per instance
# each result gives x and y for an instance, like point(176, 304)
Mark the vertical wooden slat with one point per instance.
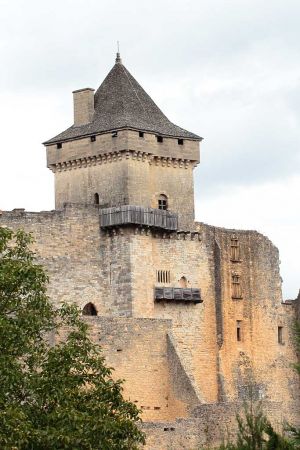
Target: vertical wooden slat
point(130, 214)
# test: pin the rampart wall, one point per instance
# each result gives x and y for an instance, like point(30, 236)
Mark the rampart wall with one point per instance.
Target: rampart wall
point(175, 356)
point(211, 425)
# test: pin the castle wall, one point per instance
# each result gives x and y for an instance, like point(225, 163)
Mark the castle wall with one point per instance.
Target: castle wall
point(174, 356)
point(194, 327)
point(220, 367)
point(137, 350)
point(258, 365)
point(83, 264)
point(211, 426)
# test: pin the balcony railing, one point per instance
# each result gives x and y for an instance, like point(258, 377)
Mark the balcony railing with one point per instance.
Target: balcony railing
point(136, 215)
point(178, 294)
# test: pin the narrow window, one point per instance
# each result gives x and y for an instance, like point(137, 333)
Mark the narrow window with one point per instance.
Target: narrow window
point(163, 202)
point(180, 141)
point(234, 248)
point(114, 134)
point(89, 310)
point(280, 335)
point(141, 134)
point(93, 138)
point(159, 139)
point(236, 286)
point(96, 199)
point(239, 330)
point(59, 145)
point(163, 276)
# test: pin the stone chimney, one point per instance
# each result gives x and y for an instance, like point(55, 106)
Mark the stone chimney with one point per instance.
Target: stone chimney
point(83, 106)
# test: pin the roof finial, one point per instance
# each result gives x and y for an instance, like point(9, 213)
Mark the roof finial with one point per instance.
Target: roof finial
point(118, 58)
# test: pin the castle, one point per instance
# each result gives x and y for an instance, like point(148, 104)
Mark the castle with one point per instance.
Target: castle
point(190, 315)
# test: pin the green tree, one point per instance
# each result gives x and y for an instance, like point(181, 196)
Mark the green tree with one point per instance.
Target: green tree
point(58, 396)
point(256, 433)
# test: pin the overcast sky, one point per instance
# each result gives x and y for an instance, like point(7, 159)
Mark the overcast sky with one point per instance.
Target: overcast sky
point(226, 70)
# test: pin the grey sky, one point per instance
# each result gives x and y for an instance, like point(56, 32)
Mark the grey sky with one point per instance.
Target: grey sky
point(227, 70)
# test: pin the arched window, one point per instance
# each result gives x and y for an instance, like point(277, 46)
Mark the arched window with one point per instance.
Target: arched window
point(96, 199)
point(89, 310)
point(162, 202)
point(183, 282)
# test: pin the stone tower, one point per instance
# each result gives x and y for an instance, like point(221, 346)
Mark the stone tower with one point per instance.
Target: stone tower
point(122, 150)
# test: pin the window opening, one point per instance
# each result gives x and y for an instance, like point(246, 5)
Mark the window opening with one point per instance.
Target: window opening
point(89, 310)
point(159, 139)
point(141, 134)
point(93, 138)
point(96, 198)
point(236, 286)
point(180, 141)
point(163, 276)
point(163, 202)
point(280, 335)
point(59, 145)
point(239, 330)
point(183, 282)
point(114, 134)
point(234, 248)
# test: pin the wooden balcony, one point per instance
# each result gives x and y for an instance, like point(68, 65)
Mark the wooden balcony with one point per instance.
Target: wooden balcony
point(185, 295)
point(136, 215)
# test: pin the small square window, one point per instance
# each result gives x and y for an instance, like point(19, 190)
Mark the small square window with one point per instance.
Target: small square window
point(180, 141)
point(159, 139)
point(141, 134)
point(114, 134)
point(59, 145)
point(93, 138)
point(162, 204)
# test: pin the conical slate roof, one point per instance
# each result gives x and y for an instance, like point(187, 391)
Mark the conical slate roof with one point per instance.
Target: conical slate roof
point(120, 102)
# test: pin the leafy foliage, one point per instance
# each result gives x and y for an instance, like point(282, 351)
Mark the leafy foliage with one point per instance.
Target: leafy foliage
point(58, 396)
